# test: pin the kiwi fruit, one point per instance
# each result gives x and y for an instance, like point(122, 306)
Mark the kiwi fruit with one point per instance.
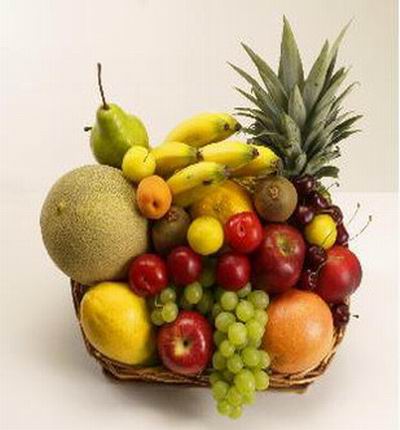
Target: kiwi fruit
point(170, 231)
point(91, 225)
point(275, 198)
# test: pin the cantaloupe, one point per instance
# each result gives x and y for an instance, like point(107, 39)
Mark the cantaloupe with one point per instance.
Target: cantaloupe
point(91, 226)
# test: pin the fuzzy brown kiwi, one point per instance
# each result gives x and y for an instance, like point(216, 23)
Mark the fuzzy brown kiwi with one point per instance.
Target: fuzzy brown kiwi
point(275, 199)
point(170, 231)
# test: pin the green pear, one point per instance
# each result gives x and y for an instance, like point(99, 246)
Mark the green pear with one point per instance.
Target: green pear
point(115, 131)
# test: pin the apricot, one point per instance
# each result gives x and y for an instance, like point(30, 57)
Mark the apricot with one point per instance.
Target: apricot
point(153, 197)
point(299, 332)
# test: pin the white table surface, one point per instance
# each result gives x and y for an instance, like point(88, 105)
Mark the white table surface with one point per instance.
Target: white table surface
point(49, 382)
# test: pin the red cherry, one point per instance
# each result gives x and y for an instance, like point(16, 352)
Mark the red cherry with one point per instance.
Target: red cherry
point(243, 232)
point(184, 265)
point(148, 275)
point(233, 271)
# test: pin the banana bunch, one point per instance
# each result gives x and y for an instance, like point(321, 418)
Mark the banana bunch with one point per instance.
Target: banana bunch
point(172, 156)
point(196, 158)
point(204, 128)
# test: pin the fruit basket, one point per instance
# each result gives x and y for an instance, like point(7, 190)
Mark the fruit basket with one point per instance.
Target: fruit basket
point(212, 259)
point(158, 374)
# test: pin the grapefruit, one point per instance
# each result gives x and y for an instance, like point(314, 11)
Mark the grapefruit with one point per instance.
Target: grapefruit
point(299, 332)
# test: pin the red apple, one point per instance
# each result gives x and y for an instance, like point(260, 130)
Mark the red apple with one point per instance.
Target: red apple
point(278, 261)
point(186, 345)
point(340, 276)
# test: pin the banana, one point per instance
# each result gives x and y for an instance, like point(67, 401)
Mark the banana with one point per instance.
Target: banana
point(231, 153)
point(265, 163)
point(203, 172)
point(204, 128)
point(173, 156)
point(187, 198)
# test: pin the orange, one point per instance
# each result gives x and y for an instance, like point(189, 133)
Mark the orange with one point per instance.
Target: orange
point(222, 202)
point(299, 332)
point(153, 197)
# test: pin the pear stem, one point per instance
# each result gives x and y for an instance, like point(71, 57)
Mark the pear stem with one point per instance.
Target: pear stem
point(105, 105)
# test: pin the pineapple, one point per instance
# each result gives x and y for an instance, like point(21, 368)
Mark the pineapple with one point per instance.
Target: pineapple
point(299, 118)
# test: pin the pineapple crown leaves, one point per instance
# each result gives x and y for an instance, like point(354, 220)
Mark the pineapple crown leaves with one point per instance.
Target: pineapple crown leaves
point(299, 117)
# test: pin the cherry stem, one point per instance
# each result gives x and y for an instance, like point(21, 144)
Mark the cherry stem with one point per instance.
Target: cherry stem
point(354, 214)
point(87, 128)
point(363, 229)
point(335, 184)
point(355, 316)
point(105, 105)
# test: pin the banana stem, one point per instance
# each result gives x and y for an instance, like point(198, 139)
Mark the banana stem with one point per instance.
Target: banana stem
point(105, 105)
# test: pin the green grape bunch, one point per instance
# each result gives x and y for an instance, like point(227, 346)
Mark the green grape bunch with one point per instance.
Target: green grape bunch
point(239, 363)
point(195, 296)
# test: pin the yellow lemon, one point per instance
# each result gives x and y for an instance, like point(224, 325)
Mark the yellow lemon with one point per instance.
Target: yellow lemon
point(117, 323)
point(321, 231)
point(205, 235)
point(224, 201)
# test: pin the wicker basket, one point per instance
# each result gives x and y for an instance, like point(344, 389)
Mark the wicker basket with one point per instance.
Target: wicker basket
point(120, 371)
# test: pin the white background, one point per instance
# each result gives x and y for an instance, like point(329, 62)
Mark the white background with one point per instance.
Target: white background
point(165, 60)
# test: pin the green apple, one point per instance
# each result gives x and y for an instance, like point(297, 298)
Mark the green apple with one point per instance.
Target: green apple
point(138, 163)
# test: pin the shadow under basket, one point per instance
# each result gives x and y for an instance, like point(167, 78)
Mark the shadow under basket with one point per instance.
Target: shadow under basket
point(159, 374)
